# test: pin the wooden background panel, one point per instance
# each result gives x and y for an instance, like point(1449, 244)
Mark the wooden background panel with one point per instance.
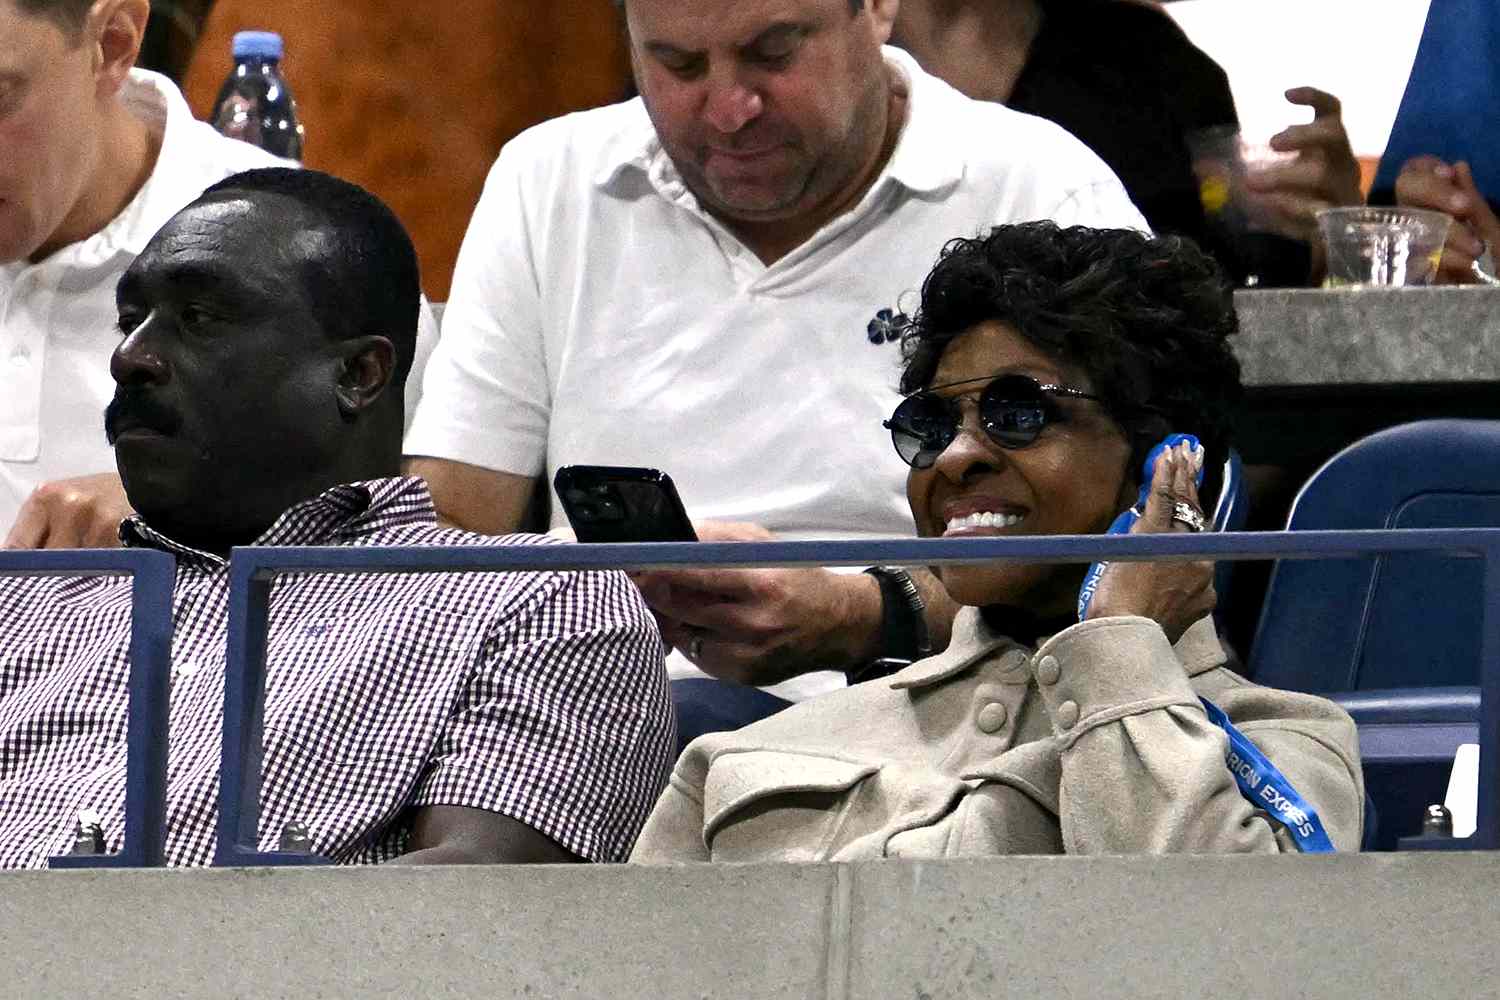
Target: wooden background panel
point(415, 106)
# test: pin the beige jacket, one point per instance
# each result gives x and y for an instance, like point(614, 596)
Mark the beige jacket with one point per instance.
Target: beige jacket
point(1094, 744)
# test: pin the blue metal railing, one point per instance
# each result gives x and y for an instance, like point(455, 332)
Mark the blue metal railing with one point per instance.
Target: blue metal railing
point(153, 575)
point(254, 569)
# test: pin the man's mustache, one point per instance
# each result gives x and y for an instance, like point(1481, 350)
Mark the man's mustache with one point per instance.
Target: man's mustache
point(131, 409)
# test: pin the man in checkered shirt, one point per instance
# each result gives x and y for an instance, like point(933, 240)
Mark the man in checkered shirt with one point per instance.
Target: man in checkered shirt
point(495, 717)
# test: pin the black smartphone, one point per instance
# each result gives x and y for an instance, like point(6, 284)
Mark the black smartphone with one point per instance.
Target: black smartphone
point(612, 503)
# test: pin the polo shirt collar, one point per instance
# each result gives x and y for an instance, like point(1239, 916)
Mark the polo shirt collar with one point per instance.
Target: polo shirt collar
point(924, 160)
point(633, 149)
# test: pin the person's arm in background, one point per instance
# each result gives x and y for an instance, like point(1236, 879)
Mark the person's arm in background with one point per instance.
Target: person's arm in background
point(1323, 174)
point(458, 835)
point(1428, 182)
point(480, 430)
point(475, 498)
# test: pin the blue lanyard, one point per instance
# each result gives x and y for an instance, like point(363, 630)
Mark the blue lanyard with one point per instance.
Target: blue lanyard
point(1268, 788)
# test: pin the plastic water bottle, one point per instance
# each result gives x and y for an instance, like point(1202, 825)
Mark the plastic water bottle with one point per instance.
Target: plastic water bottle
point(255, 105)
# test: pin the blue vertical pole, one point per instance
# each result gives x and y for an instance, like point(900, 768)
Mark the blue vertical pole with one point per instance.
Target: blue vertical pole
point(149, 685)
point(244, 690)
point(244, 711)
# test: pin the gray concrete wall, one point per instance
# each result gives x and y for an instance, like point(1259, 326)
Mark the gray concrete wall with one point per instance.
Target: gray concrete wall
point(1345, 926)
point(1316, 337)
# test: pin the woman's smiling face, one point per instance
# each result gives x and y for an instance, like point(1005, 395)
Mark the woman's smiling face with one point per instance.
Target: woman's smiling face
point(1071, 481)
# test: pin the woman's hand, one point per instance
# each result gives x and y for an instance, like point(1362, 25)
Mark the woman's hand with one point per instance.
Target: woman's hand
point(1173, 594)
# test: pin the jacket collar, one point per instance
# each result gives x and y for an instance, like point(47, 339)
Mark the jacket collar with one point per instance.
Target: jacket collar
point(973, 640)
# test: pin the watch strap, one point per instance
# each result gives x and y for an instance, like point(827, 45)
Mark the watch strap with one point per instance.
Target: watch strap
point(903, 624)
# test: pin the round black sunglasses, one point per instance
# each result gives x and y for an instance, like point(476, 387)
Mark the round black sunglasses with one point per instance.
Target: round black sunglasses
point(1013, 410)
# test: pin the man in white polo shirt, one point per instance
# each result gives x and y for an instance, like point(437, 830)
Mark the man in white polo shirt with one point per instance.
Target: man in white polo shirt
point(709, 280)
point(95, 156)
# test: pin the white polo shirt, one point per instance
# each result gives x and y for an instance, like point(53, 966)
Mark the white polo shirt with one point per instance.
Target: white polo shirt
point(599, 315)
point(57, 317)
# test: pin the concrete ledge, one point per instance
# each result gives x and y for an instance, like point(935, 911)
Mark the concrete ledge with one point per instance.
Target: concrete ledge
point(1369, 336)
point(1341, 926)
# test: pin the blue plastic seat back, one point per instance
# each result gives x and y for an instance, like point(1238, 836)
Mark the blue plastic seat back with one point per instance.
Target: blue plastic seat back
point(1231, 510)
point(1389, 622)
point(1232, 507)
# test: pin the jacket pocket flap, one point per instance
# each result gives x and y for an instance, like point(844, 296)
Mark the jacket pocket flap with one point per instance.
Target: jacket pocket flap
point(739, 778)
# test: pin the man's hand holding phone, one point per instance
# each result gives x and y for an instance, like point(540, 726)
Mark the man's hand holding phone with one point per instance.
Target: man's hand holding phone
point(763, 626)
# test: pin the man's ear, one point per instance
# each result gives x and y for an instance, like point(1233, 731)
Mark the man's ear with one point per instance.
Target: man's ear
point(883, 14)
point(116, 30)
point(368, 365)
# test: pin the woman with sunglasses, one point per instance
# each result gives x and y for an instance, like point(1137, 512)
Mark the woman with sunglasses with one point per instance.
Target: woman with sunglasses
point(1040, 370)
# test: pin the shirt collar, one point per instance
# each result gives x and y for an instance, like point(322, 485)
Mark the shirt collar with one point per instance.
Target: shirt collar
point(924, 160)
point(339, 515)
point(1199, 650)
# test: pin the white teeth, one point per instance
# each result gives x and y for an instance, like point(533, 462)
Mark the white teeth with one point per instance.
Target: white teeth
point(985, 519)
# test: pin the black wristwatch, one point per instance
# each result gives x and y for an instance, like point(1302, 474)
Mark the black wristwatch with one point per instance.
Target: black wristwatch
point(903, 625)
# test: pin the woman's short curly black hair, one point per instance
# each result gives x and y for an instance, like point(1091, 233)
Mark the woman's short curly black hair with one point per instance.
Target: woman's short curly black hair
point(1147, 318)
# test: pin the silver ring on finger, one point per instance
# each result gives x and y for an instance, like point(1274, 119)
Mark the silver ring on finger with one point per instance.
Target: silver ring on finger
point(1186, 514)
point(695, 647)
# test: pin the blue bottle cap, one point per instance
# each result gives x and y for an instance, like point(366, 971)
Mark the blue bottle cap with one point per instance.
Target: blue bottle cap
point(258, 45)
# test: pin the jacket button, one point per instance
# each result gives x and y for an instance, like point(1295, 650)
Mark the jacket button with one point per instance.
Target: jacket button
point(1047, 670)
point(992, 717)
point(1067, 714)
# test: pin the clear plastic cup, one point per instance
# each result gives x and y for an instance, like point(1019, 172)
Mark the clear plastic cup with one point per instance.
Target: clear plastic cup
point(1382, 247)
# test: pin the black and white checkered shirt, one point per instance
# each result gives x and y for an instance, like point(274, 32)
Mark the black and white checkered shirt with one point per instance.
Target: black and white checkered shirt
point(540, 696)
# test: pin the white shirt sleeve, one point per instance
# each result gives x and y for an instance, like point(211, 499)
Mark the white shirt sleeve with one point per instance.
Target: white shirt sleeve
point(1076, 187)
point(485, 397)
point(1102, 204)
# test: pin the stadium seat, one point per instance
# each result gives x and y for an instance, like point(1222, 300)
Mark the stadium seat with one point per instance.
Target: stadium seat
point(1231, 510)
point(1394, 640)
